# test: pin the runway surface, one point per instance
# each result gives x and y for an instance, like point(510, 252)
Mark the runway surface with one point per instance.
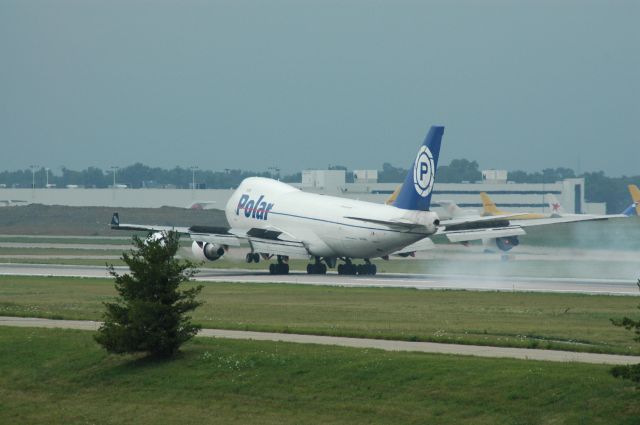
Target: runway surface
point(387, 280)
point(388, 345)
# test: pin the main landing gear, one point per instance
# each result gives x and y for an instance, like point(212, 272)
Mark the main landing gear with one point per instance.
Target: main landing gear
point(317, 268)
point(281, 267)
point(348, 268)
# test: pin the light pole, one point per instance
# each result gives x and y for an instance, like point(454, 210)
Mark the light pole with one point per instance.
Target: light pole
point(275, 172)
point(193, 176)
point(33, 175)
point(114, 168)
point(46, 170)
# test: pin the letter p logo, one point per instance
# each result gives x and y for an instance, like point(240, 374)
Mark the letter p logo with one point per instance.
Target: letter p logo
point(423, 172)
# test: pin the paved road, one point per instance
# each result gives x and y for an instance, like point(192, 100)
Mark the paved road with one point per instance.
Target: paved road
point(398, 280)
point(424, 347)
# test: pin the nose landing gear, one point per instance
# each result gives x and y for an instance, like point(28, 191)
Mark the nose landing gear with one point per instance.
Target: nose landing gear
point(252, 257)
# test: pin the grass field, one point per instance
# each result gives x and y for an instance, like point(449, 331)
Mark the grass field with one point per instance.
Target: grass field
point(62, 377)
point(533, 320)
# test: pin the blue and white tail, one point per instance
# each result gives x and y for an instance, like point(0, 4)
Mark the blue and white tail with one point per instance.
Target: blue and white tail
point(415, 193)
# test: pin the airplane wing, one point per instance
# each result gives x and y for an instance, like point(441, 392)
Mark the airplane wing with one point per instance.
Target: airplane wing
point(274, 241)
point(422, 245)
point(269, 241)
point(456, 236)
point(475, 222)
point(558, 220)
point(211, 234)
point(506, 225)
point(399, 224)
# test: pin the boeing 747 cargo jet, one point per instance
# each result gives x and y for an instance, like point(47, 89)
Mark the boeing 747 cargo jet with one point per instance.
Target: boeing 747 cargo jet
point(279, 221)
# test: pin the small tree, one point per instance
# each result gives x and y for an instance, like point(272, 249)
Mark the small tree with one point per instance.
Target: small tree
point(150, 313)
point(631, 372)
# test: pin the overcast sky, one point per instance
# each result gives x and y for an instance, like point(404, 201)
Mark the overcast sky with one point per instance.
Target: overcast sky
point(303, 84)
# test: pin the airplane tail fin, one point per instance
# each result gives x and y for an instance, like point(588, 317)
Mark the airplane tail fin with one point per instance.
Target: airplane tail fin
point(452, 209)
point(554, 205)
point(392, 198)
point(415, 193)
point(488, 206)
point(634, 209)
point(115, 220)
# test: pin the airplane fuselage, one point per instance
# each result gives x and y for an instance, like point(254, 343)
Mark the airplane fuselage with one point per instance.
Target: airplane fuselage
point(328, 226)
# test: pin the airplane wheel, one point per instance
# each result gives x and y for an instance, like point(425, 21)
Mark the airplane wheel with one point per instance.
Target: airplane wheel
point(310, 269)
point(256, 257)
point(374, 269)
point(249, 257)
point(323, 269)
point(340, 268)
point(279, 268)
point(361, 269)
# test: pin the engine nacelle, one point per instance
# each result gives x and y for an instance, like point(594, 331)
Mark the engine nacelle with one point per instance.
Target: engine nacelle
point(157, 236)
point(507, 243)
point(206, 251)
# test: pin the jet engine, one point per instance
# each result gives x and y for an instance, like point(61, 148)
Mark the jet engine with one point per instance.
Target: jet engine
point(207, 251)
point(157, 236)
point(507, 243)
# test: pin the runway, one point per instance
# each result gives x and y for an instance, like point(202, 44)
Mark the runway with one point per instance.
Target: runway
point(383, 280)
point(387, 345)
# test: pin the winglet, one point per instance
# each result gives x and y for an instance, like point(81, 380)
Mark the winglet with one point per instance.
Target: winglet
point(115, 220)
point(415, 193)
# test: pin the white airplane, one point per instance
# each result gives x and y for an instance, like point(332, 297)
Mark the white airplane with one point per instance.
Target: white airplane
point(276, 219)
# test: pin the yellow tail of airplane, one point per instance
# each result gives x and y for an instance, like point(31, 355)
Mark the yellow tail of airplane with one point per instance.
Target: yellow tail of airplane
point(488, 206)
point(393, 196)
point(489, 209)
point(635, 195)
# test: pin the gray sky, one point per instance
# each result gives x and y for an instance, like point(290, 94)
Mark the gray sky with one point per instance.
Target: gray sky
point(303, 84)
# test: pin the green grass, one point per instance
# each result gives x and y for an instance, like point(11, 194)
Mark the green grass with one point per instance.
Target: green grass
point(531, 320)
point(63, 377)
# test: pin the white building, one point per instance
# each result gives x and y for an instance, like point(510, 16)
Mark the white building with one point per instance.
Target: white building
point(517, 197)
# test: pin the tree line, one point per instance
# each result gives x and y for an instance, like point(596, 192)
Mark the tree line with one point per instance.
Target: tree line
point(598, 186)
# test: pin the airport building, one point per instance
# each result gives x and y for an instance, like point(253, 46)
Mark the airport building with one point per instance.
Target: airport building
point(516, 197)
